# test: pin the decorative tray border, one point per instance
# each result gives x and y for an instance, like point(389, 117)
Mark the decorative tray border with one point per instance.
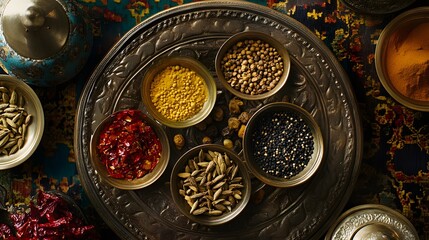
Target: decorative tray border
point(318, 83)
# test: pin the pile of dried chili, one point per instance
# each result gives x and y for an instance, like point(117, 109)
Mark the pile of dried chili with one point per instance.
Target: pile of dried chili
point(49, 217)
point(128, 146)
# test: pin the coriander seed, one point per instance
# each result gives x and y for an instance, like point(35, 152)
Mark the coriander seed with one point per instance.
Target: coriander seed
point(246, 65)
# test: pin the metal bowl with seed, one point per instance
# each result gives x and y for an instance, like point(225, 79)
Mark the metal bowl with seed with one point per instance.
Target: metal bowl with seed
point(185, 62)
point(210, 184)
point(136, 183)
point(252, 73)
point(22, 121)
point(282, 145)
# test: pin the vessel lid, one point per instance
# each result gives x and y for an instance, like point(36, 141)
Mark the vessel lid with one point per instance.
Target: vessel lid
point(372, 221)
point(36, 29)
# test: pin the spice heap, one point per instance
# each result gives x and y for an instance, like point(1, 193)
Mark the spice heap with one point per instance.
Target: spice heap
point(283, 144)
point(14, 121)
point(178, 93)
point(236, 123)
point(213, 130)
point(49, 217)
point(211, 184)
point(252, 67)
point(407, 61)
point(128, 146)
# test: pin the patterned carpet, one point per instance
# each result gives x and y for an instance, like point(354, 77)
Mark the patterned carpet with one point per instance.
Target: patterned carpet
point(395, 167)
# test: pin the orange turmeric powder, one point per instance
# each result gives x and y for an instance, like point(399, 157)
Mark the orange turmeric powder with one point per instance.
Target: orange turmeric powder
point(407, 61)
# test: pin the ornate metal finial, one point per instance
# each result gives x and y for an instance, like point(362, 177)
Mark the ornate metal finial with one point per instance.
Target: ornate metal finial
point(36, 29)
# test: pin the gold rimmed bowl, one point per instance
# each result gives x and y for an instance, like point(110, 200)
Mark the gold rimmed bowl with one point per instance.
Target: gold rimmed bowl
point(169, 76)
point(402, 56)
point(147, 156)
point(252, 65)
point(210, 184)
point(22, 123)
point(282, 145)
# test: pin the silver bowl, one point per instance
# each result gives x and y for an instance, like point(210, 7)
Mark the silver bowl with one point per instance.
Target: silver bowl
point(34, 130)
point(249, 150)
point(371, 221)
point(176, 185)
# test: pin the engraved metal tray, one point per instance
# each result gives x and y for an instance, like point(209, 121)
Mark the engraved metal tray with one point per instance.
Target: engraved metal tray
point(317, 83)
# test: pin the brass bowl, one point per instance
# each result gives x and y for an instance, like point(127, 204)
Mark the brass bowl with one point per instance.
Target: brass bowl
point(136, 183)
point(34, 130)
point(183, 205)
point(255, 122)
point(395, 32)
point(250, 35)
point(187, 62)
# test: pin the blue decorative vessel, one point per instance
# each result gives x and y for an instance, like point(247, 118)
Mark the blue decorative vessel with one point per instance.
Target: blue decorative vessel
point(44, 42)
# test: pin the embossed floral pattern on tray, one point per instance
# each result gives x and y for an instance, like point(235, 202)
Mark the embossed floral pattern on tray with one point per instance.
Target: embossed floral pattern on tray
point(317, 83)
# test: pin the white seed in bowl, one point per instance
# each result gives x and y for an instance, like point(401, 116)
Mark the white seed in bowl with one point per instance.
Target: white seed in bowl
point(14, 121)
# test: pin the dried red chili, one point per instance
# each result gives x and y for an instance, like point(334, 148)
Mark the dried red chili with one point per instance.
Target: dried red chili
point(128, 146)
point(50, 217)
point(5, 231)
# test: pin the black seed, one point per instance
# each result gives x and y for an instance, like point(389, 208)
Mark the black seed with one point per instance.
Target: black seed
point(284, 144)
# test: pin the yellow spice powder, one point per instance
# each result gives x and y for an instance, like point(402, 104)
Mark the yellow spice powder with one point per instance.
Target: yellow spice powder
point(407, 61)
point(178, 93)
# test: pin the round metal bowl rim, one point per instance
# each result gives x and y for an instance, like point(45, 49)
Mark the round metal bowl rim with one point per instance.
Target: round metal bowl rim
point(258, 35)
point(363, 207)
point(211, 220)
point(380, 49)
point(194, 65)
point(139, 183)
point(318, 153)
point(38, 123)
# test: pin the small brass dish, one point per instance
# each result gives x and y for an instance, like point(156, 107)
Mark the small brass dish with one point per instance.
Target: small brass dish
point(290, 151)
point(191, 64)
point(176, 185)
point(402, 56)
point(33, 133)
point(251, 59)
point(136, 183)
